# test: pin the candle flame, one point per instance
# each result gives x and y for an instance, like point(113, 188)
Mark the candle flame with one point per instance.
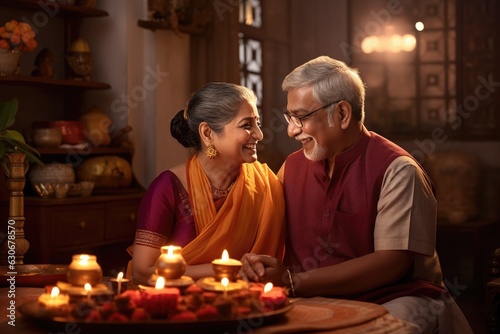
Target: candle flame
point(268, 287)
point(87, 287)
point(170, 250)
point(160, 283)
point(84, 258)
point(225, 255)
point(119, 277)
point(55, 292)
point(224, 281)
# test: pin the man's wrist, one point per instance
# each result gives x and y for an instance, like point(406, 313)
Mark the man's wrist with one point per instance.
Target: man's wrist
point(290, 281)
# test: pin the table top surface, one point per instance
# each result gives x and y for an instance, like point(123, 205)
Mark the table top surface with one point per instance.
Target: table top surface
point(307, 314)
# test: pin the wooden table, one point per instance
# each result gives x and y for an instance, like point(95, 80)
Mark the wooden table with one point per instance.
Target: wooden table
point(321, 315)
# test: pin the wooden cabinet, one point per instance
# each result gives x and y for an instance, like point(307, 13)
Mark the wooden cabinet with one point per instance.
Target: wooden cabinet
point(104, 223)
point(56, 229)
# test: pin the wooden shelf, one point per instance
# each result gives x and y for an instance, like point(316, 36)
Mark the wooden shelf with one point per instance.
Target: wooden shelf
point(165, 25)
point(51, 82)
point(51, 7)
point(120, 194)
point(87, 151)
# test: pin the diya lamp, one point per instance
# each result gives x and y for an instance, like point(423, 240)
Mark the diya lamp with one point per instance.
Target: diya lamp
point(225, 267)
point(273, 297)
point(159, 301)
point(170, 264)
point(84, 269)
point(119, 283)
point(54, 304)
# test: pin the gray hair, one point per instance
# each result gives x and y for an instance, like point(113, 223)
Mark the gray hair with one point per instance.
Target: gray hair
point(216, 103)
point(331, 80)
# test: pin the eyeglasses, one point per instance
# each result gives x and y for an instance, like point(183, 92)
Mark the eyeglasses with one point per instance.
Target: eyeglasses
point(297, 120)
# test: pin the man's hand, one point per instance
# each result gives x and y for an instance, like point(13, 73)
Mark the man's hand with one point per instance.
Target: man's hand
point(262, 268)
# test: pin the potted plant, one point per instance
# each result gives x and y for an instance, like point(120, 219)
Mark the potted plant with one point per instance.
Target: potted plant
point(12, 141)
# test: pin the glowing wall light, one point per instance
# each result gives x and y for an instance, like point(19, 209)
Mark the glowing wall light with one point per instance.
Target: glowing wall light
point(393, 43)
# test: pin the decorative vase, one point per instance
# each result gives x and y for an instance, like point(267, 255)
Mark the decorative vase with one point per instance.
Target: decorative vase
point(9, 60)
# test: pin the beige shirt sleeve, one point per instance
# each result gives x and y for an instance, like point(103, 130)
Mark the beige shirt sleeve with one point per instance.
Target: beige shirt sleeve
point(407, 210)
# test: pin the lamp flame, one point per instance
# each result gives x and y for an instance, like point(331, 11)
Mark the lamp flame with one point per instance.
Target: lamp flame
point(170, 251)
point(225, 255)
point(160, 283)
point(84, 258)
point(55, 292)
point(268, 287)
point(225, 282)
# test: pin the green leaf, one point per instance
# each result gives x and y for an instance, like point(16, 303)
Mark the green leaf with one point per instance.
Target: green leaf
point(13, 135)
point(12, 140)
point(8, 112)
point(17, 146)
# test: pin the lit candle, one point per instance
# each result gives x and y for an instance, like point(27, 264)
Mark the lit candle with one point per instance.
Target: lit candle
point(119, 279)
point(273, 297)
point(226, 267)
point(88, 290)
point(84, 269)
point(54, 304)
point(160, 302)
point(118, 283)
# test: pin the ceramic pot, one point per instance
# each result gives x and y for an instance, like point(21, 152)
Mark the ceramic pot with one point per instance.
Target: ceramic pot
point(52, 173)
point(9, 59)
point(47, 137)
point(72, 131)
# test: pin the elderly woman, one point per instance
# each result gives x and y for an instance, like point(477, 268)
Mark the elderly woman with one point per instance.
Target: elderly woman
point(221, 197)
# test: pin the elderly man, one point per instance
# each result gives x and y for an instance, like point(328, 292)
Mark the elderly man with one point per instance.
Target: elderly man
point(360, 211)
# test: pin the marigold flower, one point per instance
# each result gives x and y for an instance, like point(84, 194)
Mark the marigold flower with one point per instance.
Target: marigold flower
point(17, 35)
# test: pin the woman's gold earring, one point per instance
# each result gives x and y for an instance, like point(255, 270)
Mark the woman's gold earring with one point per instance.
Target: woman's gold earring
point(211, 152)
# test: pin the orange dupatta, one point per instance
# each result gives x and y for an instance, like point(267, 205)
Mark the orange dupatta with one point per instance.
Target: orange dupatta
point(252, 218)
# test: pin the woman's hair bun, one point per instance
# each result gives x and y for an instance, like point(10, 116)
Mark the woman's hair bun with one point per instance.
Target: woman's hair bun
point(179, 128)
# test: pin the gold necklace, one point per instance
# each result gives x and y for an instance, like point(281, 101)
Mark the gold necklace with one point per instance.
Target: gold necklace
point(216, 193)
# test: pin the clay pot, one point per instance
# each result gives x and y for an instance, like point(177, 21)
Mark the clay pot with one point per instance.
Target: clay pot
point(72, 131)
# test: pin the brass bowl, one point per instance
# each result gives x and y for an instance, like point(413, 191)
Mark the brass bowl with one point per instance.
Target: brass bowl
point(229, 271)
point(33, 275)
point(47, 137)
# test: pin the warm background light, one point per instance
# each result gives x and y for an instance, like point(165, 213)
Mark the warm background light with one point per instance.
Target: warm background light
point(394, 43)
point(419, 26)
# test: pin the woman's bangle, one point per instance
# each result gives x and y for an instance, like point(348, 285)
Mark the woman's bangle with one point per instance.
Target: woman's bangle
point(291, 282)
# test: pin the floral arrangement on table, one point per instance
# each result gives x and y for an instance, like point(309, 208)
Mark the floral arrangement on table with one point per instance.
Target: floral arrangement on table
point(16, 35)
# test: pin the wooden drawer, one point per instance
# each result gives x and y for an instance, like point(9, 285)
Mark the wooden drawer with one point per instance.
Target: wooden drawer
point(78, 225)
point(121, 220)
